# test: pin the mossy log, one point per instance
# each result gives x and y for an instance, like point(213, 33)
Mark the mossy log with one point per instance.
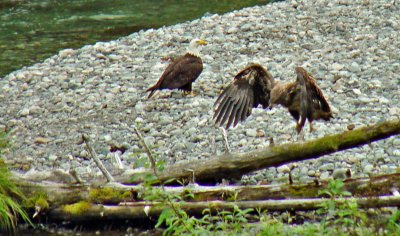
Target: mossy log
point(143, 210)
point(231, 165)
point(60, 194)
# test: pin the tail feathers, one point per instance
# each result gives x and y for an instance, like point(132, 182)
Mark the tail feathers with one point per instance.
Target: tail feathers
point(152, 90)
point(328, 116)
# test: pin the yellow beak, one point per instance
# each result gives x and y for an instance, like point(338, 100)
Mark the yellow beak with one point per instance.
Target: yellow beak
point(202, 42)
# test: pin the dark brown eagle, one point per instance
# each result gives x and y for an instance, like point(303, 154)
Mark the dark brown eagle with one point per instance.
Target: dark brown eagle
point(183, 71)
point(255, 86)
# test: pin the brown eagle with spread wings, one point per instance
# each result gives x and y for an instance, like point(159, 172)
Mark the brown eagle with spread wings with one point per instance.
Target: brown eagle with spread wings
point(183, 71)
point(255, 86)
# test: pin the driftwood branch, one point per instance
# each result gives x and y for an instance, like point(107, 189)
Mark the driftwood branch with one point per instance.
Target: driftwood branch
point(147, 149)
point(137, 210)
point(237, 164)
point(97, 160)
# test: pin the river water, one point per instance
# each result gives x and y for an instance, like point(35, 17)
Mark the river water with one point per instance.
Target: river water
point(32, 30)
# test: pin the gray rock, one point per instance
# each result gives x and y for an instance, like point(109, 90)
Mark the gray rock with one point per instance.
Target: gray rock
point(324, 175)
point(107, 138)
point(341, 173)
point(24, 112)
point(53, 158)
point(251, 132)
point(328, 166)
point(283, 169)
point(368, 168)
point(396, 153)
point(311, 173)
point(355, 67)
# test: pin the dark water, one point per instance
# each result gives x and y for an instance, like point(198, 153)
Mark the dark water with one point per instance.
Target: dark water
point(32, 30)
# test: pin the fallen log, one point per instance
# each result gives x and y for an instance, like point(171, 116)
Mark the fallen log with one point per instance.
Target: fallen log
point(234, 165)
point(61, 194)
point(143, 210)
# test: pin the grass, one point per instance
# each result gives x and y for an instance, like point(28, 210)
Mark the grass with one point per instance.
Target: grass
point(10, 196)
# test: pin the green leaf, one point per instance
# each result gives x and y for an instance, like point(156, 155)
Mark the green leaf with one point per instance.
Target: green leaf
point(169, 180)
point(346, 193)
point(166, 214)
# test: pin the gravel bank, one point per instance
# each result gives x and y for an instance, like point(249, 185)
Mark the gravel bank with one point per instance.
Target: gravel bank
point(352, 47)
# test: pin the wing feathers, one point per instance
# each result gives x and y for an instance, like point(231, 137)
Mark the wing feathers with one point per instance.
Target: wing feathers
point(252, 87)
point(235, 102)
point(313, 104)
point(179, 74)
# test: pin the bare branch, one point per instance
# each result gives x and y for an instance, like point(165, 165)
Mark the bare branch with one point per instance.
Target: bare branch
point(146, 148)
point(225, 139)
point(97, 160)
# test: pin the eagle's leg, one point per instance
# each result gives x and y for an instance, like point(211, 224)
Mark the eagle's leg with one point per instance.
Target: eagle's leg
point(225, 138)
point(301, 136)
point(298, 136)
point(300, 133)
point(187, 90)
point(311, 127)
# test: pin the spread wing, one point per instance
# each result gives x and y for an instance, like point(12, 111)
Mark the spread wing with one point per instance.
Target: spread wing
point(313, 104)
point(249, 88)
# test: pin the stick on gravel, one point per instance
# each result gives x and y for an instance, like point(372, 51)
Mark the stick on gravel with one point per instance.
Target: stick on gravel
point(97, 160)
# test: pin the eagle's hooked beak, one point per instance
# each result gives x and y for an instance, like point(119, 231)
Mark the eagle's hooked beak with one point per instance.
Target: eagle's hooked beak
point(202, 42)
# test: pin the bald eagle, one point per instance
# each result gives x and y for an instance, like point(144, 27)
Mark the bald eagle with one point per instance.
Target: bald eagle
point(183, 71)
point(254, 86)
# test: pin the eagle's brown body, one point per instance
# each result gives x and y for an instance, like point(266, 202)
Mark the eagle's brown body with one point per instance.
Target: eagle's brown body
point(182, 72)
point(255, 86)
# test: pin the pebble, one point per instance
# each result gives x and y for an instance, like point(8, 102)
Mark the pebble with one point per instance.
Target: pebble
point(311, 173)
point(357, 91)
point(41, 140)
point(354, 67)
point(328, 166)
point(324, 175)
point(283, 169)
point(368, 168)
point(24, 112)
point(107, 138)
point(62, 97)
point(251, 132)
point(84, 154)
point(53, 158)
point(337, 67)
point(66, 52)
point(340, 174)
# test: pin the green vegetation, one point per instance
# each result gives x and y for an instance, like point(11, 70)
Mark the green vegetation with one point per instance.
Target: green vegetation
point(37, 200)
point(108, 195)
point(332, 218)
point(10, 196)
point(77, 208)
